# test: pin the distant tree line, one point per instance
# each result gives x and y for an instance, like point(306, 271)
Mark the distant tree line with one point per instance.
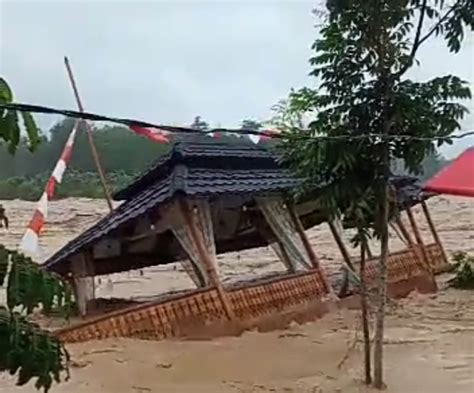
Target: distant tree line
point(123, 155)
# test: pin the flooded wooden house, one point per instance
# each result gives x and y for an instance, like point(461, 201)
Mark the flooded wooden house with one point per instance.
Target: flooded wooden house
point(206, 198)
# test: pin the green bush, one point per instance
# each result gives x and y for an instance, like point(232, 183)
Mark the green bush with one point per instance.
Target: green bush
point(75, 184)
point(464, 271)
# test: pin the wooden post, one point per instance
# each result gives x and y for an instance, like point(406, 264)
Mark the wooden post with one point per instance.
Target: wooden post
point(418, 238)
point(205, 257)
point(267, 233)
point(95, 155)
point(302, 234)
point(286, 258)
point(341, 245)
point(367, 250)
point(315, 262)
point(404, 230)
point(83, 279)
point(434, 231)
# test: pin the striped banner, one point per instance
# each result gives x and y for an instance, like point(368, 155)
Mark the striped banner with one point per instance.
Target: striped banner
point(163, 136)
point(263, 136)
point(29, 242)
point(155, 134)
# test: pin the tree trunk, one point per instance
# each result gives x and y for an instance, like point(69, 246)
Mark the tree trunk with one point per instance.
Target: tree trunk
point(365, 316)
point(380, 316)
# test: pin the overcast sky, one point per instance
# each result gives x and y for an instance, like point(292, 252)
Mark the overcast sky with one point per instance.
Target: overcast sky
point(168, 61)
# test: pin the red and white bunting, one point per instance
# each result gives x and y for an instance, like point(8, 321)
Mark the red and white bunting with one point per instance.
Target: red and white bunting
point(255, 138)
point(29, 242)
point(265, 135)
point(155, 134)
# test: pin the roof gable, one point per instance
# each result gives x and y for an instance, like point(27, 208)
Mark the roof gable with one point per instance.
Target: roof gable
point(198, 151)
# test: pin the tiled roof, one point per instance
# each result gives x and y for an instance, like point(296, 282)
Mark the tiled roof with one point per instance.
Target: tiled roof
point(201, 168)
point(204, 152)
point(177, 174)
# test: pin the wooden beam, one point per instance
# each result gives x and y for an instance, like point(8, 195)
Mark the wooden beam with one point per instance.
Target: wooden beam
point(264, 229)
point(204, 256)
point(341, 245)
point(286, 258)
point(419, 239)
point(83, 279)
point(367, 250)
point(315, 262)
point(302, 234)
point(404, 230)
point(434, 231)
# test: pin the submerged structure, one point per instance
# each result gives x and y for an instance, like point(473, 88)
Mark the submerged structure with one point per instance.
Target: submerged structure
point(206, 198)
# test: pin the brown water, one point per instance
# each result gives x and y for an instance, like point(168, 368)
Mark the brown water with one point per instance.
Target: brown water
point(429, 340)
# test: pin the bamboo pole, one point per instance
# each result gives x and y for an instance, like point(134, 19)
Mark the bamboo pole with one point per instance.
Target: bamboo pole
point(205, 257)
point(341, 245)
point(434, 231)
point(95, 154)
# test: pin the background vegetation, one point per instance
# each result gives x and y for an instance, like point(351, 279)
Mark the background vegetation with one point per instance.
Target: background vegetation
point(123, 154)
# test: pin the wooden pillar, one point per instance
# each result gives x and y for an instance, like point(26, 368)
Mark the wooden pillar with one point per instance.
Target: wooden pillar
point(367, 250)
point(83, 280)
point(404, 231)
point(264, 229)
point(341, 245)
point(418, 238)
point(286, 258)
point(315, 262)
point(302, 234)
point(204, 256)
point(434, 231)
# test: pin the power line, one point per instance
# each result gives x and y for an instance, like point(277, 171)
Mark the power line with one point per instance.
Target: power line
point(184, 130)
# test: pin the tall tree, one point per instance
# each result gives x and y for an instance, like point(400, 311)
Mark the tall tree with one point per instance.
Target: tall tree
point(199, 124)
point(250, 124)
point(361, 59)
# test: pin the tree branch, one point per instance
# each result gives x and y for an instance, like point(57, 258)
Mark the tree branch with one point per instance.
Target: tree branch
point(418, 30)
point(441, 20)
point(420, 40)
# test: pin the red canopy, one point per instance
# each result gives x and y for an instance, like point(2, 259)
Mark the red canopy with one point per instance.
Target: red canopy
point(457, 178)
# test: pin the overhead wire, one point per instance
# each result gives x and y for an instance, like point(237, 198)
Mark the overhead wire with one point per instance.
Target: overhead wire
point(186, 130)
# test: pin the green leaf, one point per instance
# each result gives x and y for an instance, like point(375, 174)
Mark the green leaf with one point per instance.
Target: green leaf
point(6, 94)
point(13, 131)
point(31, 130)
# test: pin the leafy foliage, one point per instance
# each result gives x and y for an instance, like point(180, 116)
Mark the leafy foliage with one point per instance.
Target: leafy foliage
point(30, 352)
point(464, 271)
point(10, 122)
point(123, 156)
point(360, 61)
point(199, 124)
point(429, 167)
point(26, 349)
point(250, 124)
point(75, 184)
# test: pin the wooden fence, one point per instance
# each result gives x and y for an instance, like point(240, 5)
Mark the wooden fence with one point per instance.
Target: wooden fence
point(202, 309)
